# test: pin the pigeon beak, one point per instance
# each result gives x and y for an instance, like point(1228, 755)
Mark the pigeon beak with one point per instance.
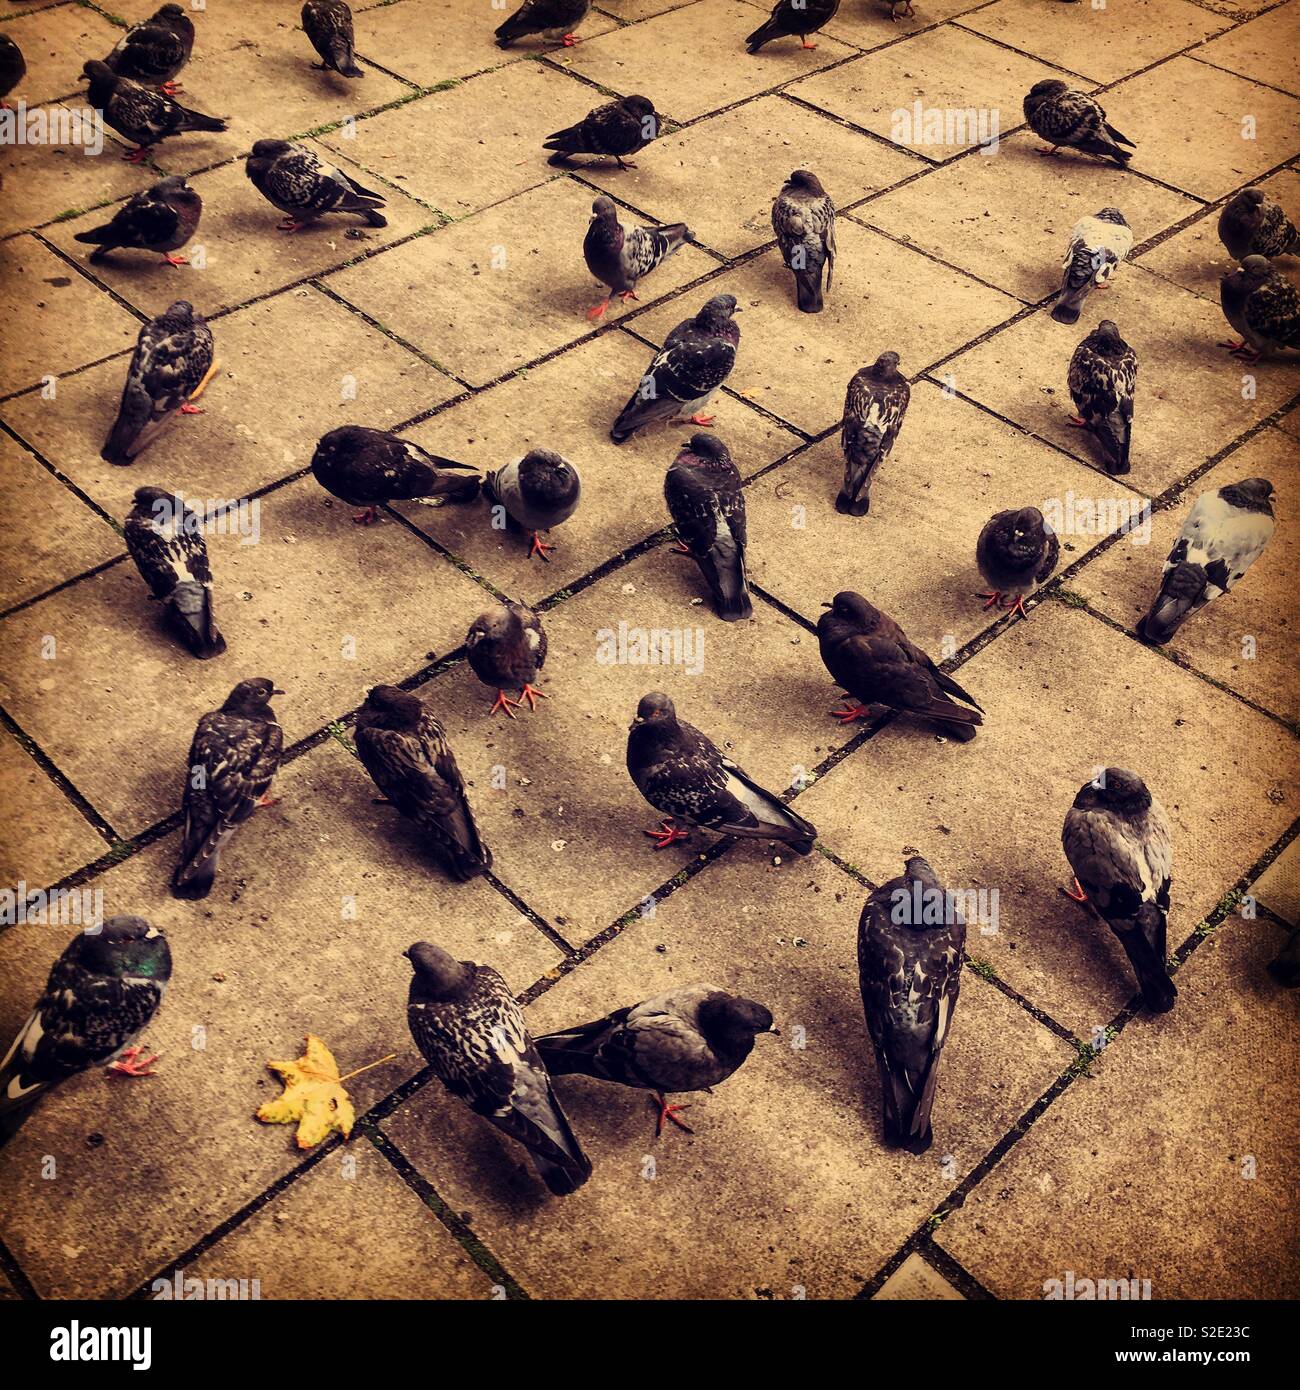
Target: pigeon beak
point(828, 605)
point(775, 1030)
point(276, 691)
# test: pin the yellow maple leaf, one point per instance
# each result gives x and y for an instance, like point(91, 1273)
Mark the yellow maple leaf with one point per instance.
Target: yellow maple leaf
point(313, 1096)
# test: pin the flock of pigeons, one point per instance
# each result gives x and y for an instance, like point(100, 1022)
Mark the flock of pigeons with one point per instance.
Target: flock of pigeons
point(106, 986)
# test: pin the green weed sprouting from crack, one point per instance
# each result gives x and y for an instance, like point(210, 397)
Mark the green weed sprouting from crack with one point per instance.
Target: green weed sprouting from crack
point(932, 1223)
point(982, 968)
point(1086, 1053)
point(340, 735)
point(444, 86)
point(1070, 598)
point(69, 214)
point(124, 849)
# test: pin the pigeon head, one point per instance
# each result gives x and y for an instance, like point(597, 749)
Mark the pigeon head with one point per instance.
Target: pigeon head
point(716, 314)
point(171, 14)
point(851, 607)
point(546, 479)
point(438, 975)
point(125, 946)
point(1106, 336)
point(642, 107)
point(731, 1022)
point(263, 154)
point(1254, 494)
point(1112, 215)
point(182, 311)
point(388, 705)
point(1257, 267)
point(175, 190)
point(655, 708)
point(496, 624)
point(1027, 525)
point(252, 698)
point(707, 447)
point(604, 208)
point(885, 366)
point(1252, 195)
point(97, 71)
point(806, 180)
point(918, 867)
point(147, 498)
point(1115, 789)
point(1046, 90)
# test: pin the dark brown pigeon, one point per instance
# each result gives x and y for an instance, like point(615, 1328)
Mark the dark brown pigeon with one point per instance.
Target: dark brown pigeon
point(612, 131)
point(707, 503)
point(1102, 380)
point(552, 19)
point(155, 50)
point(141, 113)
point(874, 406)
point(1264, 307)
point(1016, 552)
point(1252, 224)
point(803, 218)
point(294, 179)
point(506, 647)
point(1062, 116)
point(793, 19)
point(366, 468)
point(328, 24)
point(165, 539)
point(159, 219)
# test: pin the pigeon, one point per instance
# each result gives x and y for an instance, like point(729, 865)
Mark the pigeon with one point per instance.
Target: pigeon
point(791, 18)
point(1064, 117)
point(1284, 967)
point(1016, 552)
point(1224, 534)
point(1116, 837)
point(696, 358)
point(155, 50)
point(506, 647)
point(534, 493)
point(681, 773)
point(615, 130)
point(328, 24)
point(870, 656)
point(1252, 224)
point(403, 748)
point(1097, 246)
point(160, 219)
point(169, 370)
point(365, 467)
point(235, 754)
point(472, 1033)
point(294, 179)
point(101, 995)
point(165, 539)
point(140, 113)
point(910, 939)
point(619, 257)
point(1102, 379)
point(1263, 307)
point(552, 19)
point(13, 67)
point(803, 218)
point(690, 1039)
point(874, 406)
point(707, 505)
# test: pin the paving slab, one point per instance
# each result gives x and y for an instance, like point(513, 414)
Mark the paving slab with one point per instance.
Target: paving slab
point(62, 537)
point(1258, 50)
point(869, 25)
point(502, 288)
point(1192, 398)
point(1245, 639)
point(1007, 217)
point(785, 1190)
point(54, 46)
point(561, 808)
point(1063, 695)
point(269, 957)
point(568, 404)
point(1206, 133)
point(243, 255)
point(66, 321)
point(632, 10)
point(224, 24)
point(349, 1229)
point(1101, 43)
point(289, 608)
point(1187, 1116)
point(798, 365)
point(916, 1280)
point(953, 465)
point(1197, 260)
point(277, 390)
point(740, 159)
point(941, 71)
point(396, 144)
point(1278, 887)
point(692, 60)
point(1290, 422)
point(45, 836)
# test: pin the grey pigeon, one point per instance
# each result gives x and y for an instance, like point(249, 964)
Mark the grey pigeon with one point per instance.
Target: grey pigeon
point(1102, 379)
point(618, 257)
point(155, 50)
point(552, 19)
point(696, 358)
point(1016, 552)
point(141, 113)
point(1116, 837)
point(707, 503)
point(613, 131)
point(403, 748)
point(160, 219)
point(169, 369)
point(100, 996)
point(298, 182)
point(328, 24)
point(1252, 224)
point(366, 468)
point(871, 657)
point(1224, 534)
point(165, 539)
point(534, 493)
point(1263, 307)
point(681, 773)
point(690, 1039)
point(874, 406)
point(1062, 116)
point(472, 1033)
point(1097, 246)
point(233, 759)
point(13, 66)
point(910, 940)
point(793, 18)
point(506, 647)
point(803, 218)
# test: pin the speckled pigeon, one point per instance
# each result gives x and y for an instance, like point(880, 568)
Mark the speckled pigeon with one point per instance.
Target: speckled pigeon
point(1224, 534)
point(803, 218)
point(1102, 379)
point(874, 406)
point(619, 257)
point(614, 131)
point(1097, 247)
point(1252, 224)
point(1016, 552)
point(506, 647)
point(707, 503)
point(141, 113)
point(298, 182)
point(1263, 306)
point(1117, 839)
point(1064, 117)
point(160, 219)
point(793, 18)
point(534, 494)
point(100, 996)
point(552, 19)
point(472, 1033)
point(328, 24)
point(366, 467)
point(165, 539)
point(155, 50)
